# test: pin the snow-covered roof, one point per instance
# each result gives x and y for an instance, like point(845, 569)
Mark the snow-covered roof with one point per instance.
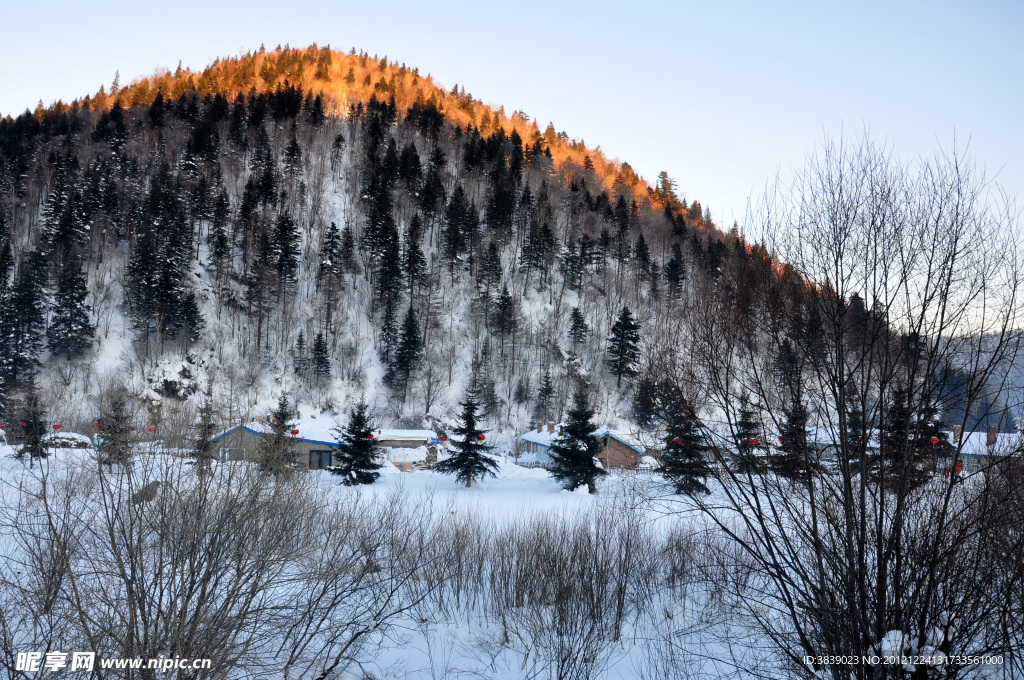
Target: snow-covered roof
point(388, 434)
point(627, 438)
point(325, 430)
point(544, 438)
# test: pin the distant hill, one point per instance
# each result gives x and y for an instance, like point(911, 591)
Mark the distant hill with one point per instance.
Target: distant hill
point(326, 225)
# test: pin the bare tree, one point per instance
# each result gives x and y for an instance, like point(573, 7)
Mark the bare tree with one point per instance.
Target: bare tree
point(897, 284)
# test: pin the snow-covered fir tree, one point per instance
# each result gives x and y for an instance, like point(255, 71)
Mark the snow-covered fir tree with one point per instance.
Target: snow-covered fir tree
point(357, 456)
point(468, 457)
point(574, 451)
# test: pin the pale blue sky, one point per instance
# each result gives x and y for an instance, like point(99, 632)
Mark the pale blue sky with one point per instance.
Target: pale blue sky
point(719, 94)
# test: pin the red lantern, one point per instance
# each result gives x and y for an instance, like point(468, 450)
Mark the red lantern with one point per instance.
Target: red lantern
point(95, 424)
point(443, 439)
point(935, 440)
point(57, 426)
point(295, 431)
point(209, 432)
point(677, 440)
point(753, 440)
point(24, 424)
point(369, 436)
point(481, 437)
point(781, 437)
point(151, 429)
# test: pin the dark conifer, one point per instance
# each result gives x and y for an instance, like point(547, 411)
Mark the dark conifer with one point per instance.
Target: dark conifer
point(300, 360)
point(469, 460)
point(747, 439)
point(275, 454)
point(578, 329)
point(574, 452)
point(204, 450)
point(675, 272)
point(286, 249)
point(624, 346)
point(415, 265)
point(544, 408)
point(70, 332)
point(684, 461)
point(505, 316)
point(25, 319)
point(357, 456)
point(793, 459)
point(321, 360)
point(347, 253)
point(115, 443)
point(32, 418)
point(388, 340)
point(218, 239)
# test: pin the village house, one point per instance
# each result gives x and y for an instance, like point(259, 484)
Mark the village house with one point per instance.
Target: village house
point(618, 449)
point(315, 442)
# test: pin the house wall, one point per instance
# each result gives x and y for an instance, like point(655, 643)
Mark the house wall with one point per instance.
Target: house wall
point(242, 444)
point(615, 454)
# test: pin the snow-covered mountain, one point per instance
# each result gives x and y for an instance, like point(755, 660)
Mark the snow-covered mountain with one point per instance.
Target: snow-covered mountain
point(329, 226)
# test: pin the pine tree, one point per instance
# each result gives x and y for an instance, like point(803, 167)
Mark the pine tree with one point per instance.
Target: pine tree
point(357, 455)
point(32, 417)
point(293, 156)
point(157, 111)
point(321, 359)
point(415, 265)
point(684, 461)
point(286, 248)
point(642, 256)
point(300, 359)
point(276, 454)
point(624, 346)
point(544, 408)
point(574, 453)
point(217, 239)
point(115, 443)
point(793, 460)
point(490, 271)
point(521, 395)
point(25, 321)
point(469, 461)
point(70, 332)
point(204, 450)
point(348, 251)
point(675, 272)
point(578, 329)
point(856, 430)
point(330, 271)
point(746, 438)
point(388, 340)
point(330, 250)
point(407, 354)
point(505, 317)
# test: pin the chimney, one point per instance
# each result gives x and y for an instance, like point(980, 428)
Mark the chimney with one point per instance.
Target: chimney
point(551, 428)
point(991, 436)
point(259, 419)
point(958, 433)
point(540, 427)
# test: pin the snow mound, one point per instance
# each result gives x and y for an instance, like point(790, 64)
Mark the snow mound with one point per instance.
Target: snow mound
point(67, 440)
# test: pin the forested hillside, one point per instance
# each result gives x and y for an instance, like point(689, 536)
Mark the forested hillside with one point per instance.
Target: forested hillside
point(325, 225)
